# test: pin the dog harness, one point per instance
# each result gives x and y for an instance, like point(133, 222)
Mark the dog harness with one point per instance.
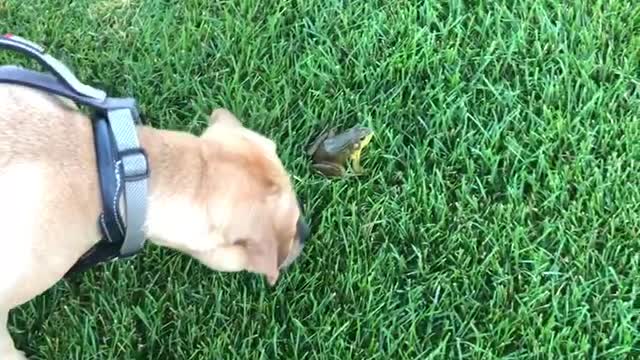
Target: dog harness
point(123, 166)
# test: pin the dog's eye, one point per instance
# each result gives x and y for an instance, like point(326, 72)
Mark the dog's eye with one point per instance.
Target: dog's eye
point(240, 242)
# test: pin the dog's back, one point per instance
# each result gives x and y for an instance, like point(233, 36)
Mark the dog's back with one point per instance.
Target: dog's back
point(45, 187)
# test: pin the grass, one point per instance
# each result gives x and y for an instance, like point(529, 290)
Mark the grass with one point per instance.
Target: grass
point(499, 216)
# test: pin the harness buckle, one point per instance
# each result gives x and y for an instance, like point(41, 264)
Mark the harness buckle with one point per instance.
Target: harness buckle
point(136, 164)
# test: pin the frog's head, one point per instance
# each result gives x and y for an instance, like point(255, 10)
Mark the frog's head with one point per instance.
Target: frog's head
point(351, 141)
point(363, 136)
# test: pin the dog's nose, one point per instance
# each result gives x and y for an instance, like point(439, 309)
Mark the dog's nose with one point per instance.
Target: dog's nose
point(302, 230)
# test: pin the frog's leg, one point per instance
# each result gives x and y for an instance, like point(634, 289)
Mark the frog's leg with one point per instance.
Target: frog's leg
point(316, 143)
point(329, 169)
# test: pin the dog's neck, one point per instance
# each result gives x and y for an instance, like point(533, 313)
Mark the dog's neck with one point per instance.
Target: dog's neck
point(177, 215)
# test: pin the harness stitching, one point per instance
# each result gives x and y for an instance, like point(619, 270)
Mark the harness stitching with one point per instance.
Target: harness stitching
point(115, 197)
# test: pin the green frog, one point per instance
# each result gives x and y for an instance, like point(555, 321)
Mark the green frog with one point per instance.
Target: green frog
point(330, 151)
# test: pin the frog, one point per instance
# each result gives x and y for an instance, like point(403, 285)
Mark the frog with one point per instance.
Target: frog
point(331, 150)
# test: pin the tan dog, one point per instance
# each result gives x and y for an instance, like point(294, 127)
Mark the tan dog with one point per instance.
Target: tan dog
point(223, 198)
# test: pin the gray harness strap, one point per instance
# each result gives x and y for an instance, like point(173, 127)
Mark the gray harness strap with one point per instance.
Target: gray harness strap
point(123, 117)
point(35, 51)
point(12, 74)
point(135, 179)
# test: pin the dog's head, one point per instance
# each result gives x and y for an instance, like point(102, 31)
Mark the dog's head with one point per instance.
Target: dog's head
point(252, 208)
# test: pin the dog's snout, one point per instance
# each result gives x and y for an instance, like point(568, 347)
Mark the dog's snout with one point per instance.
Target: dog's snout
point(303, 230)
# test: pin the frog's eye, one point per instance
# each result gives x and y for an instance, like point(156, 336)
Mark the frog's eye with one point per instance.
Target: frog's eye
point(356, 145)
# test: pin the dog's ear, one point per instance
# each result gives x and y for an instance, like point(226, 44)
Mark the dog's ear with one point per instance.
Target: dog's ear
point(220, 118)
point(262, 256)
point(266, 246)
point(223, 117)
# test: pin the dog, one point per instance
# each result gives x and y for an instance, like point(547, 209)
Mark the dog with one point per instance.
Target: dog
point(223, 197)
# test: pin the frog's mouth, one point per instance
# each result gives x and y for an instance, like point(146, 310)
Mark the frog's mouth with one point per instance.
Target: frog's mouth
point(357, 153)
point(366, 140)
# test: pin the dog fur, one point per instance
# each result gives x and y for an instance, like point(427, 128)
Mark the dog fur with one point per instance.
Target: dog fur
point(223, 197)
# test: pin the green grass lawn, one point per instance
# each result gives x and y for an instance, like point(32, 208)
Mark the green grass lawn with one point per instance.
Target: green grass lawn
point(499, 216)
